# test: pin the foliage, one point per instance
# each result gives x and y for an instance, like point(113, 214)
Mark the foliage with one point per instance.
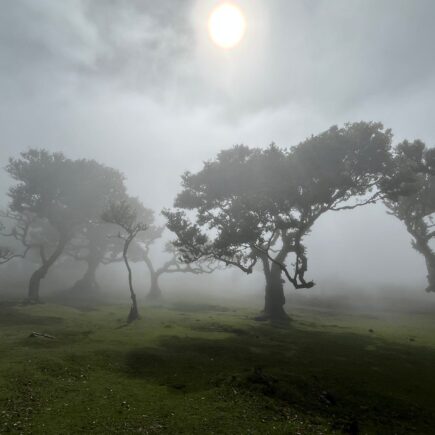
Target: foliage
point(53, 199)
point(415, 206)
point(251, 203)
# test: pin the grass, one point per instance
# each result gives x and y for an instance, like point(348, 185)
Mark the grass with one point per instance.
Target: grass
point(206, 369)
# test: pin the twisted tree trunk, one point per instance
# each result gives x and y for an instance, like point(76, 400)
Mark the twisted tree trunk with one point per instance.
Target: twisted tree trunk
point(41, 273)
point(274, 296)
point(430, 263)
point(155, 293)
point(134, 312)
point(274, 300)
point(154, 296)
point(421, 244)
point(88, 283)
point(35, 283)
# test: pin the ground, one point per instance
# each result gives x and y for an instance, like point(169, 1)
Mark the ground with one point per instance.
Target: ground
point(207, 369)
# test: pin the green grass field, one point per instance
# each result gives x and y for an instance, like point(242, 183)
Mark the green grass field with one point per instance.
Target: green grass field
point(207, 369)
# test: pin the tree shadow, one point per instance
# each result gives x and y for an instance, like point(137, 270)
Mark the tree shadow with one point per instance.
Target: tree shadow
point(356, 381)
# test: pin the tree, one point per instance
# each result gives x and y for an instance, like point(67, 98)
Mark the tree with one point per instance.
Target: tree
point(251, 205)
point(53, 198)
point(90, 243)
point(141, 251)
point(170, 266)
point(92, 246)
point(125, 215)
point(415, 205)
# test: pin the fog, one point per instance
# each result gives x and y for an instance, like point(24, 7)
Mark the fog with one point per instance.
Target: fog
point(139, 86)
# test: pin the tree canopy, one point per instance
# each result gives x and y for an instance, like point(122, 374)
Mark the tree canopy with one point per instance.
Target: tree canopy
point(53, 198)
point(250, 204)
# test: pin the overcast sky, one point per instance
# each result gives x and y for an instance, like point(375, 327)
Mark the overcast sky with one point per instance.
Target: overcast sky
point(138, 85)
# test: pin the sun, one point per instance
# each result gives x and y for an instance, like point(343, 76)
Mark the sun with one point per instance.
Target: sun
point(227, 25)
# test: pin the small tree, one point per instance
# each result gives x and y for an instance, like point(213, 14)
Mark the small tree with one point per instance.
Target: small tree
point(91, 246)
point(415, 205)
point(251, 205)
point(125, 215)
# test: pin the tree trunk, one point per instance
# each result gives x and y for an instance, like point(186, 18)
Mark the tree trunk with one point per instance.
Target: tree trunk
point(40, 274)
point(422, 246)
point(155, 294)
point(134, 312)
point(35, 283)
point(430, 263)
point(274, 294)
point(274, 298)
point(88, 285)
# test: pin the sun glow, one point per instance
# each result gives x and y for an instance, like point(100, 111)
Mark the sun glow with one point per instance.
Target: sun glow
point(227, 25)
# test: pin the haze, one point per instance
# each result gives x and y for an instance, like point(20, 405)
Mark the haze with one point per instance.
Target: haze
point(268, 263)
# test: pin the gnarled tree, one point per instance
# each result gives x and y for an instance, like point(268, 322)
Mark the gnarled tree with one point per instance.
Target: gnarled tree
point(125, 214)
point(170, 266)
point(415, 207)
point(6, 253)
point(142, 251)
point(251, 205)
point(53, 198)
point(90, 243)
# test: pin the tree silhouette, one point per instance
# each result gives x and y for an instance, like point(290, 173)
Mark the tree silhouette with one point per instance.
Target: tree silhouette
point(415, 205)
point(171, 266)
point(125, 215)
point(142, 251)
point(251, 205)
point(54, 197)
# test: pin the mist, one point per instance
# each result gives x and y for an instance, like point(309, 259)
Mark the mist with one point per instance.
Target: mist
point(152, 177)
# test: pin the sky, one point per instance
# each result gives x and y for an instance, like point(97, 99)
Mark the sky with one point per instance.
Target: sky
point(139, 85)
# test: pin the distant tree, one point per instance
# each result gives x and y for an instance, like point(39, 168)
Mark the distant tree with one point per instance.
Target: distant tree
point(90, 243)
point(53, 198)
point(170, 266)
point(92, 246)
point(415, 206)
point(251, 205)
point(126, 214)
point(142, 252)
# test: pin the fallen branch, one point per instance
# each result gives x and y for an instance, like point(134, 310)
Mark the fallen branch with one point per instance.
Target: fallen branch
point(39, 335)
